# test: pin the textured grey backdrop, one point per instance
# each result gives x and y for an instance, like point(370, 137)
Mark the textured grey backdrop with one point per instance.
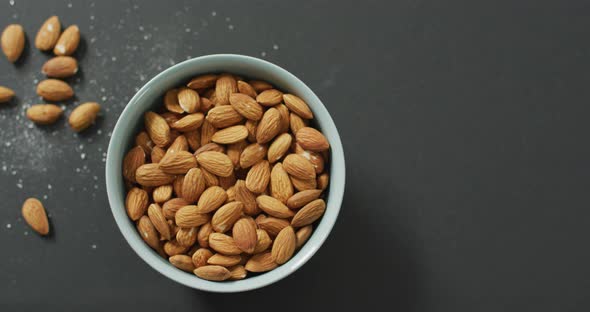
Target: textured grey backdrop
point(465, 127)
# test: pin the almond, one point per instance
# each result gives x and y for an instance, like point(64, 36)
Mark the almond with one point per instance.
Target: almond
point(48, 34)
point(210, 178)
point(302, 185)
point(270, 97)
point(68, 41)
point(187, 236)
point(172, 206)
point(272, 225)
point(230, 135)
point(207, 131)
point(201, 256)
point(60, 67)
point(223, 244)
point(224, 87)
point(316, 159)
point(13, 42)
point(246, 197)
point(171, 102)
point(182, 262)
point(303, 198)
point(223, 260)
point(157, 217)
point(252, 126)
point(162, 193)
point(297, 106)
point(311, 139)
point(273, 207)
point(189, 216)
point(234, 151)
point(279, 147)
point(54, 90)
point(303, 235)
point(157, 128)
point(246, 106)
point(136, 203)
point(296, 123)
point(189, 100)
point(223, 116)
point(323, 180)
point(172, 248)
point(225, 217)
point(231, 194)
point(261, 262)
point(309, 213)
point(202, 82)
point(211, 199)
point(133, 160)
point(227, 182)
point(152, 175)
point(263, 241)
point(280, 184)
point(237, 272)
point(213, 273)
point(148, 232)
point(143, 140)
point(244, 234)
point(285, 121)
point(6, 94)
point(210, 147)
point(284, 245)
point(245, 88)
point(299, 167)
point(258, 177)
point(216, 162)
point(83, 116)
point(193, 185)
point(269, 126)
point(44, 114)
point(178, 163)
point(206, 105)
point(179, 144)
point(252, 154)
point(34, 214)
point(193, 138)
point(157, 154)
point(203, 235)
point(189, 122)
point(260, 85)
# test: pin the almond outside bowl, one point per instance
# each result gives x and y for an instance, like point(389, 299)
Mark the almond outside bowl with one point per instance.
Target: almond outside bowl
point(149, 97)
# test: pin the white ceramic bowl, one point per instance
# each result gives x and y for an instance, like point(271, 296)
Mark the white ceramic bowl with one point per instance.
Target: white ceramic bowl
point(150, 97)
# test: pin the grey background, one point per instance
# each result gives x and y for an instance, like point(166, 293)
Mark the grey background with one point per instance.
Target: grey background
point(465, 128)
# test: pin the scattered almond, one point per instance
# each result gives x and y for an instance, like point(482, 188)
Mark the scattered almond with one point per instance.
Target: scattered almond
point(48, 34)
point(68, 41)
point(54, 90)
point(44, 114)
point(34, 214)
point(60, 67)
point(6, 94)
point(83, 116)
point(13, 42)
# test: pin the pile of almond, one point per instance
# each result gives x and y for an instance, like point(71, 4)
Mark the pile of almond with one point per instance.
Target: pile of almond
point(227, 178)
point(64, 44)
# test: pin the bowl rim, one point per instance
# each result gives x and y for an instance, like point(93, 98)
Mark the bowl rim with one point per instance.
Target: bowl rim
point(321, 232)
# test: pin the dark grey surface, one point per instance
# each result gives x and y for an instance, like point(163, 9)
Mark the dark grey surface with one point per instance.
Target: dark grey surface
point(464, 126)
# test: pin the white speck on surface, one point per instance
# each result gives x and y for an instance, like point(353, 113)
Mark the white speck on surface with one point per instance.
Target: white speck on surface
point(275, 46)
point(103, 90)
point(26, 233)
point(49, 186)
point(77, 169)
point(91, 27)
point(136, 6)
point(71, 188)
point(96, 186)
point(93, 246)
point(83, 155)
point(141, 28)
point(99, 132)
point(95, 178)
point(230, 27)
point(8, 225)
point(4, 167)
point(19, 185)
point(187, 30)
point(7, 143)
point(81, 146)
point(44, 196)
point(104, 98)
point(141, 77)
point(69, 5)
point(146, 37)
point(263, 54)
point(91, 17)
point(35, 81)
point(213, 13)
point(114, 58)
point(11, 2)
point(92, 40)
point(60, 48)
point(13, 172)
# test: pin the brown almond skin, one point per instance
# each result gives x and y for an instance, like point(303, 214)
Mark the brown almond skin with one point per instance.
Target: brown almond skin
point(223, 244)
point(60, 67)
point(157, 128)
point(83, 116)
point(303, 235)
point(54, 90)
point(269, 126)
point(173, 248)
point(299, 167)
point(216, 163)
point(258, 177)
point(6, 94)
point(202, 82)
point(311, 139)
point(280, 184)
point(189, 100)
point(193, 185)
point(213, 273)
point(152, 175)
point(252, 154)
point(34, 214)
point(148, 232)
point(261, 262)
point(13, 42)
point(223, 116)
point(48, 34)
point(272, 225)
point(182, 262)
point(159, 221)
point(303, 198)
point(172, 206)
point(244, 234)
point(201, 256)
point(224, 87)
point(270, 97)
point(68, 41)
point(247, 89)
point(259, 85)
point(298, 106)
point(203, 234)
point(263, 241)
point(224, 218)
point(133, 160)
point(273, 207)
point(44, 114)
point(136, 203)
point(309, 213)
point(246, 106)
point(284, 245)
